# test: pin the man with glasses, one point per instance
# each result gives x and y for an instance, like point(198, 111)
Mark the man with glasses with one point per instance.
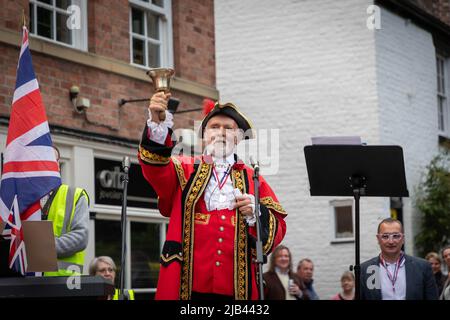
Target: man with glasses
point(393, 275)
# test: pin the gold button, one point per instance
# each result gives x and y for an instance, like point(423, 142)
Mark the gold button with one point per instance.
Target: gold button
point(221, 228)
point(220, 240)
point(219, 252)
point(217, 263)
point(222, 217)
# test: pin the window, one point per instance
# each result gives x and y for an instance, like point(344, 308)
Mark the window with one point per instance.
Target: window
point(144, 254)
point(64, 171)
point(65, 164)
point(442, 96)
point(61, 21)
point(108, 242)
point(342, 217)
point(151, 33)
point(143, 250)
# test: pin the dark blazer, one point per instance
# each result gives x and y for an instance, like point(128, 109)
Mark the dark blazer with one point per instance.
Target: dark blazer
point(274, 290)
point(440, 281)
point(420, 283)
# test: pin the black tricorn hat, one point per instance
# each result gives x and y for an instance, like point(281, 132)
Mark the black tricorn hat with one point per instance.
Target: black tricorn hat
point(231, 111)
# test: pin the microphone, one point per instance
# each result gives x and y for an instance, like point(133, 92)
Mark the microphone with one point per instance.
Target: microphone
point(126, 164)
point(253, 163)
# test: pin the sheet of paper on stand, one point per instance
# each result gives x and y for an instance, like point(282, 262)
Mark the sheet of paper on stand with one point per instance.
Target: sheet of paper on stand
point(40, 243)
point(353, 140)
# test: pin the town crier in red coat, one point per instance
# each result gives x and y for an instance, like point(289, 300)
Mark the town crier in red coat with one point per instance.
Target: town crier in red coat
point(209, 250)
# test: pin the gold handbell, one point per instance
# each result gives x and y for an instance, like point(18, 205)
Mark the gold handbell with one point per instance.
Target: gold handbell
point(161, 82)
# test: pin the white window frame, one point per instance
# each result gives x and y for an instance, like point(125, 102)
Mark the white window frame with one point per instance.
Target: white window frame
point(114, 214)
point(80, 37)
point(66, 164)
point(165, 32)
point(445, 95)
point(341, 203)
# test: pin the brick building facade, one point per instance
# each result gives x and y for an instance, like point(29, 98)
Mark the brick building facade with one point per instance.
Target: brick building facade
point(103, 72)
point(107, 57)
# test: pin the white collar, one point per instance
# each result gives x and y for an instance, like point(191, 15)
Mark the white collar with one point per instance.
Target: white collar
point(279, 271)
point(402, 261)
point(229, 160)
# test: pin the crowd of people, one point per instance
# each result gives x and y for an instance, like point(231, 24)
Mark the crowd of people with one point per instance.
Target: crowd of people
point(392, 275)
point(442, 280)
point(281, 282)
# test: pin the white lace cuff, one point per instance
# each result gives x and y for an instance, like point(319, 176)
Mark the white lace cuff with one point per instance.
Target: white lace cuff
point(251, 220)
point(158, 131)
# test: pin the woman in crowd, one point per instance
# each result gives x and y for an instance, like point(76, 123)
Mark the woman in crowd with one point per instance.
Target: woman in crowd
point(348, 286)
point(281, 283)
point(446, 289)
point(436, 263)
point(104, 266)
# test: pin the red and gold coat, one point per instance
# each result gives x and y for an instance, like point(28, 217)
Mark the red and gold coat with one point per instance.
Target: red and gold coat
point(180, 183)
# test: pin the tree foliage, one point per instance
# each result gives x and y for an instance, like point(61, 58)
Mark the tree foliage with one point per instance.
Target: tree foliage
point(433, 202)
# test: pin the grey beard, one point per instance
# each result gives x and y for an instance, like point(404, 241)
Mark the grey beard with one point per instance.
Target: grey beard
point(219, 150)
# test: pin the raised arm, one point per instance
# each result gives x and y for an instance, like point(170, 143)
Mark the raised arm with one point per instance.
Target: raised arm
point(155, 152)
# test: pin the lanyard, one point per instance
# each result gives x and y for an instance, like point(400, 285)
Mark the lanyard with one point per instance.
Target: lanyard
point(393, 277)
point(224, 179)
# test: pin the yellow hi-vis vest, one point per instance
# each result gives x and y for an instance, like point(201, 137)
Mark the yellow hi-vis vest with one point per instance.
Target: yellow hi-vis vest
point(129, 294)
point(61, 212)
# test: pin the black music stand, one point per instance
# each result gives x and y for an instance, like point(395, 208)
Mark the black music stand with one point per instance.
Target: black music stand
point(91, 287)
point(356, 170)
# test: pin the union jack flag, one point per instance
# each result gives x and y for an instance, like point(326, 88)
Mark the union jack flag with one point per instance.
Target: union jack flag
point(30, 170)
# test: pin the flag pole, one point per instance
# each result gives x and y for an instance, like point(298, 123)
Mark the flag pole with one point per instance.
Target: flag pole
point(24, 19)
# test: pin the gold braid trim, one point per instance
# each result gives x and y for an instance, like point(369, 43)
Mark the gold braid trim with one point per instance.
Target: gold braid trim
point(202, 218)
point(272, 231)
point(271, 204)
point(195, 191)
point(238, 180)
point(172, 257)
point(152, 158)
point(241, 265)
point(180, 172)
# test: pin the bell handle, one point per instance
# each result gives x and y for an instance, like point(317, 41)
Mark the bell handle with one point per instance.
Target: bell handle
point(162, 114)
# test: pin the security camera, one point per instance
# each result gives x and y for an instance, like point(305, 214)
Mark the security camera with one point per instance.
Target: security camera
point(74, 91)
point(80, 104)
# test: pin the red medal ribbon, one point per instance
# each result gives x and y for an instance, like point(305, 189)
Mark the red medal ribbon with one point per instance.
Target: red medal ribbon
point(224, 179)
